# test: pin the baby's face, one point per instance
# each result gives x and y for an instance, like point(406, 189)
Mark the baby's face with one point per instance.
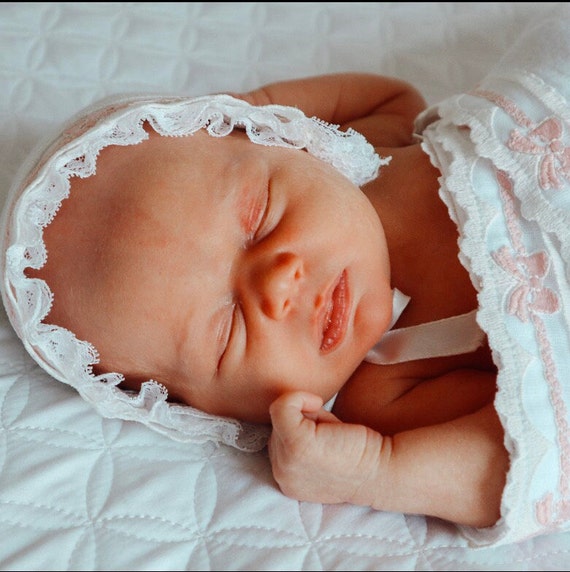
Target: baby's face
point(229, 271)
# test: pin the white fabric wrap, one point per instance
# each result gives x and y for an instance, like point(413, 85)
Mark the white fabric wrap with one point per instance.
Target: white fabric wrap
point(44, 184)
point(504, 154)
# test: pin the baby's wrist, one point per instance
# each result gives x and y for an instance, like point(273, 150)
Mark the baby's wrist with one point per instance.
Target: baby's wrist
point(374, 488)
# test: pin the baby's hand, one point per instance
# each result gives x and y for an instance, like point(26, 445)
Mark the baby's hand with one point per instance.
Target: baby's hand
point(316, 457)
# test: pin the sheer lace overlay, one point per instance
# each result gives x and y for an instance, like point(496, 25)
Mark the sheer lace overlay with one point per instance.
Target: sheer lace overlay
point(36, 198)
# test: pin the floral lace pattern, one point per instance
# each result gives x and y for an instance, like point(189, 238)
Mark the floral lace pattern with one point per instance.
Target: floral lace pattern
point(34, 203)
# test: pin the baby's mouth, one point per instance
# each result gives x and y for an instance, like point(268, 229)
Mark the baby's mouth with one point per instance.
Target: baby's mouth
point(336, 315)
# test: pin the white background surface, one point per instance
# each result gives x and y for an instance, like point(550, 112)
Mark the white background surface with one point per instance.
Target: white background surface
point(81, 492)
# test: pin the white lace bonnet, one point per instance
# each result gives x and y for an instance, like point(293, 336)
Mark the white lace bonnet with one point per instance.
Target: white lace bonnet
point(44, 184)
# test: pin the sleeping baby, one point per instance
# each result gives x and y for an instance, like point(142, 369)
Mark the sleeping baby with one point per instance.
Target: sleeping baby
point(377, 294)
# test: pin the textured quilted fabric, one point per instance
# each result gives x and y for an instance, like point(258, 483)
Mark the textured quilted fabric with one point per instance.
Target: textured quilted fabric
point(78, 492)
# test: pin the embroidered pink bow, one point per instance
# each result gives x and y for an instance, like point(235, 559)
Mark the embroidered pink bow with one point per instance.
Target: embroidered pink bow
point(545, 140)
point(530, 294)
point(552, 513)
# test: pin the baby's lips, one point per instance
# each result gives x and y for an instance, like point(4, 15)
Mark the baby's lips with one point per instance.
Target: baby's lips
point(336, 315)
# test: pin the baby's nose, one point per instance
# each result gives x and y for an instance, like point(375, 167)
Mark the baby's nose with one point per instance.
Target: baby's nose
point(279, 284)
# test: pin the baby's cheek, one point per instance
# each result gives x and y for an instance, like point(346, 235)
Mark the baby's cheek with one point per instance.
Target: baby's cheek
point(372, 317)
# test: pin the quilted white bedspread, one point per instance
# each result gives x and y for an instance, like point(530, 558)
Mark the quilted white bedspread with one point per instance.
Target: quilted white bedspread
point(78, 492)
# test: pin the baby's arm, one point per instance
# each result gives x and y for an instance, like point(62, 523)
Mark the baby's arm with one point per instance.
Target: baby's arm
point(381, 108)
point(396, 404)
point(453, 470)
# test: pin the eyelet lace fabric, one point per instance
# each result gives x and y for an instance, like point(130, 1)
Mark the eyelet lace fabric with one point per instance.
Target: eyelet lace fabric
point(37, 196)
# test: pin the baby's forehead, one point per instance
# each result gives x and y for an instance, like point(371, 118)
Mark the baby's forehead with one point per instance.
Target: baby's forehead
point(161, 167)
point(158, 187)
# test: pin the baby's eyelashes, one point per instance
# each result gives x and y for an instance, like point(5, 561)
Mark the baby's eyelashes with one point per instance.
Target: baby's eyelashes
point(259, 216)
point(224, 336)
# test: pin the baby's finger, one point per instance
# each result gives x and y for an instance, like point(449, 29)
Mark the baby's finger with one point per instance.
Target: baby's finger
point(290, 409)
point(324, 416)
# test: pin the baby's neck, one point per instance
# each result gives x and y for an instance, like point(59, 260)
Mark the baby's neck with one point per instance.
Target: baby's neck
point(421, 238)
